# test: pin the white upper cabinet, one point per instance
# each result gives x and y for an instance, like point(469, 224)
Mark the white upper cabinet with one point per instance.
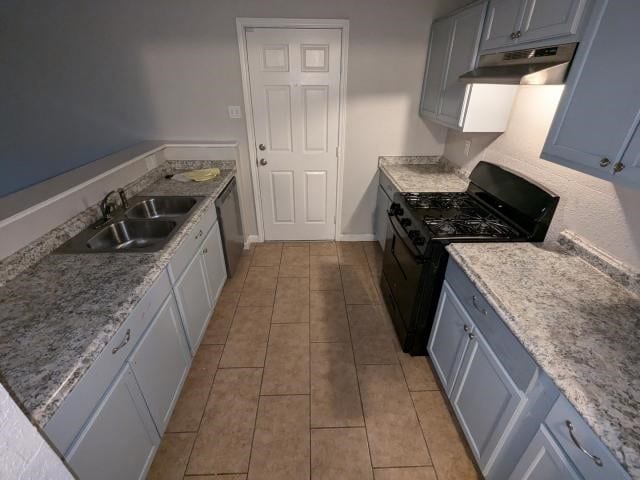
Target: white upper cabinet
point(595, 129)
point(453, 50)
point(511, 23)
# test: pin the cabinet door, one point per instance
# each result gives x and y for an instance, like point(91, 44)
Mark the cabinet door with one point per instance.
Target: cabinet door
point(194, 302)
point(486, 401)
point(465, 37)
point(382, 206)
point(161, 361)
point(547, 19)
point(436, 64)
point(600, 107)
point(543, 460)
point(504, 18)
point(449, 337)
point(119, 440)
point(214, 262)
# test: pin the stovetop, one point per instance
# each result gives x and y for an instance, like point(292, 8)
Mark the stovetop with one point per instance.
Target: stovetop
point(449, 217)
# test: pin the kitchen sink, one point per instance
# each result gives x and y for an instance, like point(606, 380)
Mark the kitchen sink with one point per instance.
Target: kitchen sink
point(160, 207)
point(131, 234)
point(146, 226)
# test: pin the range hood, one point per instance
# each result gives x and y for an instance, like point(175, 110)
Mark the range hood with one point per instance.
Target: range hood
point(533, 66)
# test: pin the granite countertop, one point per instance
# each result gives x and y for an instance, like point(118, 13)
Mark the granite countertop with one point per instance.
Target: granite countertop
point(58, 315)
point(423, 174)
point(579, 325)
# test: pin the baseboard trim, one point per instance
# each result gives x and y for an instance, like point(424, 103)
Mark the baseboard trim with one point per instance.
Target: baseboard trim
point(356, 237)
point(250, 239)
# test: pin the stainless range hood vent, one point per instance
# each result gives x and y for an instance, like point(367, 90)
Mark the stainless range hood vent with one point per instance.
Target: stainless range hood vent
point(532, 66)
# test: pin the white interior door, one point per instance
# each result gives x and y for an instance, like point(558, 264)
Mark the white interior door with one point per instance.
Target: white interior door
point(294, 80)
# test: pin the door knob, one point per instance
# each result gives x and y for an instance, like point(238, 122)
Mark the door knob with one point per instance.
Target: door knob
point(263, 162)
point(262, 147)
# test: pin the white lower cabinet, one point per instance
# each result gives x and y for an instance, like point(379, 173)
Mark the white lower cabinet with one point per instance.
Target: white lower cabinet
point(485, 400)
point(544, 460)
point(160, 363)
point(194, 301)
point(120, 439)
point(214, 262)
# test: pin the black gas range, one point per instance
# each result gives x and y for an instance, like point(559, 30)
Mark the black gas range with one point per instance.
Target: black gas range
point(498, 206)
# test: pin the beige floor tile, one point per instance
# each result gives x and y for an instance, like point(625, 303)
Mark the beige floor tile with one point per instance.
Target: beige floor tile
point(235, 283)
point(323, 260)
point(328, 317)
point(293, 290)
point(295, 255)
point(267, 254)
point(247, 342)
point(335, 399)
point(294, 271)
point(357, 258)
point(286, 368)
point(290, 313)
point(322, 248)
point(418, 373)
point(358, 285)
point(248, 252)
point(406, 473)
point(269, 247)
point(350, 247)
point(340, 453)
point(257, 298)
point(223, 443)
point(190, 406)
point(240, 476)
point(296, 243)
point(325, 277)
point(218, 328)
point(374, 258)
point(394, 434)
point(261, 278)
point(281, 441)
point(371, 336)
point(172, 457)
point(451, 459)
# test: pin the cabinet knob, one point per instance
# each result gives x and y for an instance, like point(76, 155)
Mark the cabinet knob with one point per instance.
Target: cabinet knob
point(518, 34)
point(205, 251)
point(466, 328)
point(471, 336)
point(605, 162)
point(618, 167)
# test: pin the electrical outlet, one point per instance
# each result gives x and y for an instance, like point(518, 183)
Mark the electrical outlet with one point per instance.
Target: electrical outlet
point(467, 147)
point(234, 111)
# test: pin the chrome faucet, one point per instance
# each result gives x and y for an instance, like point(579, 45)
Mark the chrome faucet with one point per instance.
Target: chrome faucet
point(107, 208)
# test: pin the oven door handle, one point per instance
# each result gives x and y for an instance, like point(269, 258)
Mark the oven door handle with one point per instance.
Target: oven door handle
point(405, 239)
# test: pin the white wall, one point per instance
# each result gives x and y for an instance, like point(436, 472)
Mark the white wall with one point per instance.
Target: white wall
point(86, 80)
point(23, 452)
point(606, 215)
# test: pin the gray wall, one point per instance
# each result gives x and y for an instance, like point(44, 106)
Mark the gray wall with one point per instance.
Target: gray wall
point(84, 79)
point(605, 214)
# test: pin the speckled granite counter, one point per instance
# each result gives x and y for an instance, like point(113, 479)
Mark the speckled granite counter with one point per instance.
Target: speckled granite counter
point(422, 174)
point(580, 326)
point(58, 315)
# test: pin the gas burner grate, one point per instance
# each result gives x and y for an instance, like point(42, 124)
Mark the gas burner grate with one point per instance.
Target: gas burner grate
point(477, 223)
point(439, 201)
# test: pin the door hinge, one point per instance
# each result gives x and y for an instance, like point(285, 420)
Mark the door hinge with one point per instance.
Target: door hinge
point(334, 219)
point(338, 152)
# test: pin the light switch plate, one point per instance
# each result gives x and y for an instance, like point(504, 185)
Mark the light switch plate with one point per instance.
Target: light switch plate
point(234, 111)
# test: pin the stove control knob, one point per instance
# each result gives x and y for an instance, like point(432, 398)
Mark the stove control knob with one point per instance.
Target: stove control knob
point(413, 234)
point(419, 241)
point(405, 222)
point(396, 209)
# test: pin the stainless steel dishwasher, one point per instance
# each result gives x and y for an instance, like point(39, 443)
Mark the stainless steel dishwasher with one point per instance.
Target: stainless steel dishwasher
point(228, 210)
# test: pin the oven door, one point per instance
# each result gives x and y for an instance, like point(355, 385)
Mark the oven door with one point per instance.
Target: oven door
point(402, 268)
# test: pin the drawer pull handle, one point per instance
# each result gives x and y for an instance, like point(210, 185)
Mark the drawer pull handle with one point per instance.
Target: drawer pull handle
point(474, 299)
point(125, 340)
point(595, 459)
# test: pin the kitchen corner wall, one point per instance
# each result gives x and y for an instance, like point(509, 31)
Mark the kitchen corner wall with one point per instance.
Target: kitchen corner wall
point(605, 214)
point(83, 80)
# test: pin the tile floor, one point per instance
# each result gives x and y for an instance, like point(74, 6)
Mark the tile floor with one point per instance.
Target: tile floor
point(300, 376)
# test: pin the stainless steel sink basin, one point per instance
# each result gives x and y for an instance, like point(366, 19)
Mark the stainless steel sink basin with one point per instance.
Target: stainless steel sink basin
point(131, 234)
point(160, 207)
point(147, 226)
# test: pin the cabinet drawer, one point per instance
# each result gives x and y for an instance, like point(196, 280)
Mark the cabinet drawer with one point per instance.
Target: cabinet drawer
point(77, 407)
point(556, 422)
point(387, 185)
point(508, 349)
point(191, 243)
